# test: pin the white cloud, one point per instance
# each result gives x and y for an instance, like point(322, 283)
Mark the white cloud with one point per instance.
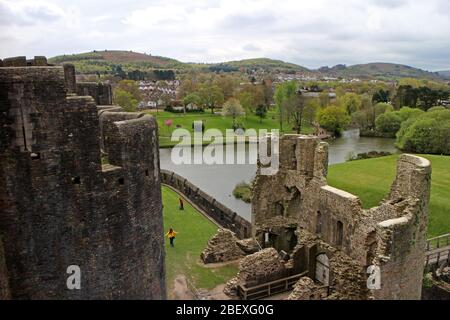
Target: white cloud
point(311, 33)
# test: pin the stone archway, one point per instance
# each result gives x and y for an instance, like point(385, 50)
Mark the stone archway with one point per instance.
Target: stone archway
point(322, 273)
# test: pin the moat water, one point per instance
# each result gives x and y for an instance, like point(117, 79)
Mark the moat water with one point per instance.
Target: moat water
point(220, 180)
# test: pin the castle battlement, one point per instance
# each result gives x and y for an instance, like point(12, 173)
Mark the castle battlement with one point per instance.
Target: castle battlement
point(81, 187)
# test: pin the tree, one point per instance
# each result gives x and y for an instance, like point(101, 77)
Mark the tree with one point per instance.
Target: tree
point(188, 84)
point(406, 96)
point(234, 109)
point(283, 92)
point(191, 98)
point(380, 96)
point(267, 91)
point(293, 109)
point(210, 95)
point(388, 123)
point(130, 86)
point(251, 96)
point(351, 102)
point(324, 99)
point(428, 133)
point(125, 99)
point(261, 112)
point(245, 98)
point(334, 119)
point(227, 85)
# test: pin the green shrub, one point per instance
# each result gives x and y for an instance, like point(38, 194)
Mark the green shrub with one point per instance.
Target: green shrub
point(436, 108)
point(243, 191)
point(388, 123)
point(333, 119)
point(406, 113)
point(429, 133)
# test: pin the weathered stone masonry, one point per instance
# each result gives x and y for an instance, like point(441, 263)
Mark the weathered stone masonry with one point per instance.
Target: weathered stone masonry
point(328, 234)
point(60, 206)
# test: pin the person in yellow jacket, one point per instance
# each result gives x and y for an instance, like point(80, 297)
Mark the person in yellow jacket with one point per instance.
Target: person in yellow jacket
point(171, 235)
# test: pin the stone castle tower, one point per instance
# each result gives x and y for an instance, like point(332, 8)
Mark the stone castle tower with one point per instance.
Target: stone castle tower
point(80, 186)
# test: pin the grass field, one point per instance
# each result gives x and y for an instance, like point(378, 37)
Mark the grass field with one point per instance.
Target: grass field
point(215, 121)
point(194, 231)
point(371, 180)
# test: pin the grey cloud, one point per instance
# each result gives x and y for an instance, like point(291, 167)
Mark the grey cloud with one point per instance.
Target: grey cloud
point(251, 47)
point(327, 35)
point(28, 16)
point(390, 3)
point(248, 21)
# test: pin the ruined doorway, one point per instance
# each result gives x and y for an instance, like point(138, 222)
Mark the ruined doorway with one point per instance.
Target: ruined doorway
point(323, 269)
point(293, 208)
point(371, 245)
point(278, 209)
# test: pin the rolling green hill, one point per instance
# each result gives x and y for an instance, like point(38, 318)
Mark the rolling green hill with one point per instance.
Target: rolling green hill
point(265, 64)
point(378, 70)
point(106, 61)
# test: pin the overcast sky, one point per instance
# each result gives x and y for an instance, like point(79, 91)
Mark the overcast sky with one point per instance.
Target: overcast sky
point(311, 33)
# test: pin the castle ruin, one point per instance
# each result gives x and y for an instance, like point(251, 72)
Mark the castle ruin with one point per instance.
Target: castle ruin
point(326, 236)
point(80, 186)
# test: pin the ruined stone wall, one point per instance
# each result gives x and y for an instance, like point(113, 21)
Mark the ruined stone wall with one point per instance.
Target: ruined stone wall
point(4, 281)
point(101, 92)
point(405, 235)
point(221, 214)
point(392, 236)
point(61, 207)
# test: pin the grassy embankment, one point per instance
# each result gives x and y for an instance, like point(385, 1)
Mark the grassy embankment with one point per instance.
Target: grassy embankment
point(194, 231)
point(215, 121)
point(371, 179)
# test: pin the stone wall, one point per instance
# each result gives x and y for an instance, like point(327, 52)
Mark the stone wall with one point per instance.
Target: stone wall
point(101, 92)
point(4, 281)
point(391, 236)
point(60, 206)
point(222, 215)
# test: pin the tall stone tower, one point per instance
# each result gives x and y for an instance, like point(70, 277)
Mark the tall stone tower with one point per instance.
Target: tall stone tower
point(80, 186)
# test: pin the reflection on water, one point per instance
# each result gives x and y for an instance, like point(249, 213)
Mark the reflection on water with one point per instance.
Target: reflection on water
point(220, 180)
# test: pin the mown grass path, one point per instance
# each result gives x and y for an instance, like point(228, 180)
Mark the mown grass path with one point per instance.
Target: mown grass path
point(194, 231)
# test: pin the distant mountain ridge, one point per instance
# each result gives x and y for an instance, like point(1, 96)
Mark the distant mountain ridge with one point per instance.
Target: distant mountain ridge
point(445, 74)
point(378, 69)
point(108, 60)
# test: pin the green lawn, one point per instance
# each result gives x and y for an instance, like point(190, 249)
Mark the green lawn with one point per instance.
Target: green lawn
point(214, 121)
point(371, 180)
point(194, 231)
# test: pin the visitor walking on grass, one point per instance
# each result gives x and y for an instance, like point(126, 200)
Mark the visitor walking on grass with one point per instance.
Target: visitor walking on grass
point(181, 204)
point(171, 235)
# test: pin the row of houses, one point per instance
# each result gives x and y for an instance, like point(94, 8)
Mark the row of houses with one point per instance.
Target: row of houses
point(157, 94)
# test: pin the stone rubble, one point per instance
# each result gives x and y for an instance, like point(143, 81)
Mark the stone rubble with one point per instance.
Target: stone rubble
point(307, 289)
point(222, 247)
